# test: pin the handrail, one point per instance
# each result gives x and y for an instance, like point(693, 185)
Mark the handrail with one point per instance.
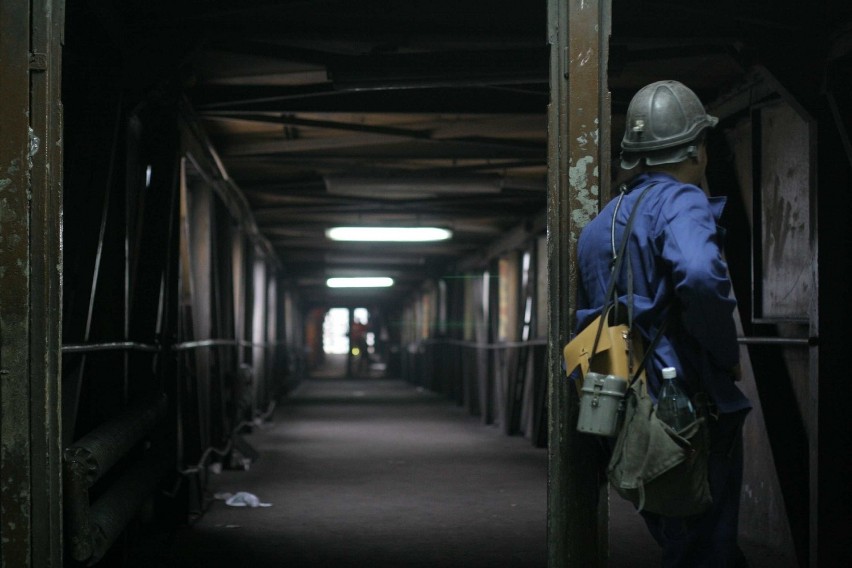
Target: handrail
point(500, 345)
point(750, 340)
point(187, 345)
point(110, 346)
point(150, 348)
point(778, 340)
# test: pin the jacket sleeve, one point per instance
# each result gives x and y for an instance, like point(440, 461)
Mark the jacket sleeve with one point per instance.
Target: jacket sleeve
point(688, 242)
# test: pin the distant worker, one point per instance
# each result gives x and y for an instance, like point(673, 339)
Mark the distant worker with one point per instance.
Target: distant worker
point(358, 347)
point(675, 255)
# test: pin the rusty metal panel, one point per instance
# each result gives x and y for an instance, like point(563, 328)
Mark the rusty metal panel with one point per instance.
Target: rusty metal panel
point(16, 513)
point(578, 158)
point(763, 511)
point(786, 285)
point(785, 214)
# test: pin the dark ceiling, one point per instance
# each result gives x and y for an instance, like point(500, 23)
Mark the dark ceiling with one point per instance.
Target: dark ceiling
point(417, 112)
point(379, 113)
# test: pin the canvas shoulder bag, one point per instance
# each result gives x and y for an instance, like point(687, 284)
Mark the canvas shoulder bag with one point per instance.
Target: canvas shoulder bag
point(654, 467)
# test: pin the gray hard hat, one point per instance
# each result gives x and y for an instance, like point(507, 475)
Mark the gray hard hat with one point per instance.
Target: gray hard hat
point(662, 120)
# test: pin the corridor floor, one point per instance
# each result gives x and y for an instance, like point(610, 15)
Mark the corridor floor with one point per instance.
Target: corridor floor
point(378, 473)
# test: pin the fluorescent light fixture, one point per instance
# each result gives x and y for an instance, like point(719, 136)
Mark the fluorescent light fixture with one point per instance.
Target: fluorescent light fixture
point(361, 282)
point(361, 260)
point(388, 234)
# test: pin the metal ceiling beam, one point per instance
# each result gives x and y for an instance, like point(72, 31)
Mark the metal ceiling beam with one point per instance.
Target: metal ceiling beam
point(265, 170)
point(466, 221)
point(398, 154)
point(482, 147)
point(446, 248)
point(441, 69)
point(461, 67)
point(514, 239)
point(452, 189)
point(434, 126)
point(398, 273)
point(322, 98)
point(422, 210)
point(309, 257)
point(283, 146)
point(291, 120)
point(358, 41)
point(234, 43)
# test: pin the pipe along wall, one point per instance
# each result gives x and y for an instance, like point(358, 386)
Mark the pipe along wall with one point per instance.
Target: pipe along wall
point(94, 526)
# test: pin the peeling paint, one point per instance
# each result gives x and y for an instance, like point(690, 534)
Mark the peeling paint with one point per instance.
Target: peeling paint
point(593, 136)
point(34, 144)
point(4, 183)
point(578, 177)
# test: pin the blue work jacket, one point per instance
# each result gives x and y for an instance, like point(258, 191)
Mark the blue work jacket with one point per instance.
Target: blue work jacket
point(674, 249)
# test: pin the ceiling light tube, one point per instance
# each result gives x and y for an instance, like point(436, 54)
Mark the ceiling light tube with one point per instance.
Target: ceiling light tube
point(388, 234)
point(360, 282)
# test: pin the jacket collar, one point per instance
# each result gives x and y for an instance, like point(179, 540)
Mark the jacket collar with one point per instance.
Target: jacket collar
point(717, 204)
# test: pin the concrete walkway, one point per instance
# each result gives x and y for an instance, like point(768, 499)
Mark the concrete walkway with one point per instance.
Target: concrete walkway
point(378, 473)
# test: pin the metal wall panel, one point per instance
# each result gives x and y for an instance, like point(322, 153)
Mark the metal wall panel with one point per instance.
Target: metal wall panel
point(785, 181)
point(763, 514)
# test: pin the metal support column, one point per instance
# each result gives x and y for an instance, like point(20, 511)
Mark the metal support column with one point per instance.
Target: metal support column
point(48, 22)
point(30, 278)
point(15, 536)
point(578, 176)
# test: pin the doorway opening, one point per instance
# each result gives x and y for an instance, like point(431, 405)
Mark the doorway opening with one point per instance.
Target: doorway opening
point(349, 340)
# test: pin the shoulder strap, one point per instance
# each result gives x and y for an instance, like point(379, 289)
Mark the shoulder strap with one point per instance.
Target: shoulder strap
point(651, 346)
point(618, 258)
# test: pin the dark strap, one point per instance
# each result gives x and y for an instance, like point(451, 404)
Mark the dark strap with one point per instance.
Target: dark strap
point(617, 260)
point(651, 346)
